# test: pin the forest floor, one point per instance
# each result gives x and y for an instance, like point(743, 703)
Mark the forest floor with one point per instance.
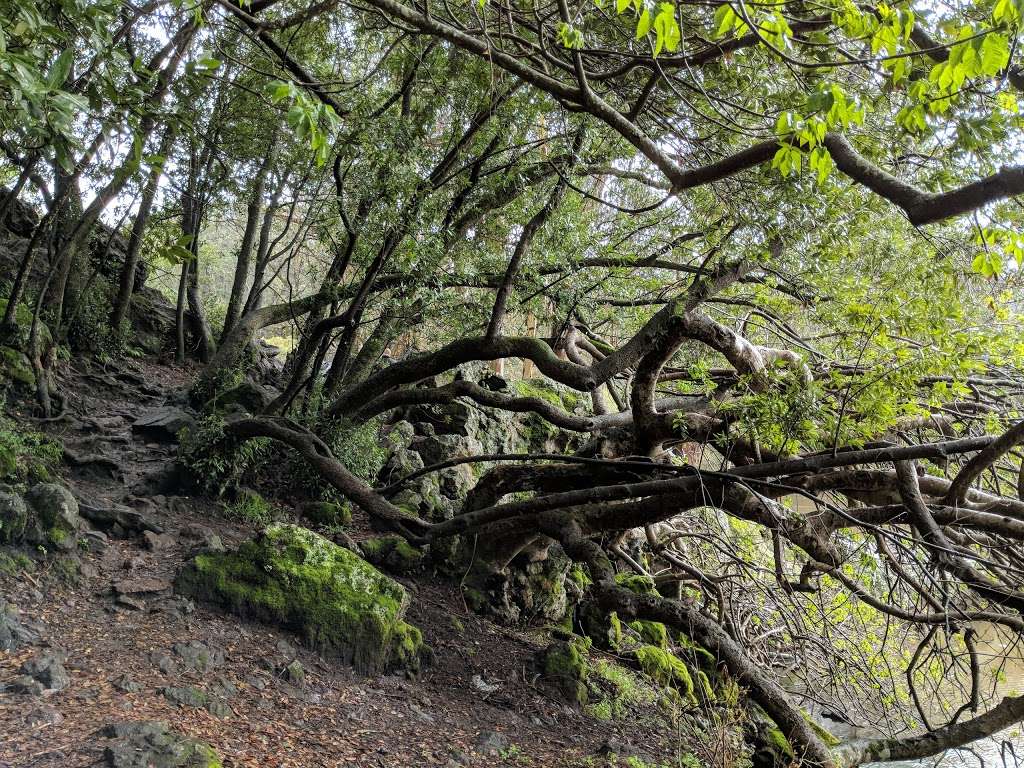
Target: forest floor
point(479, 702)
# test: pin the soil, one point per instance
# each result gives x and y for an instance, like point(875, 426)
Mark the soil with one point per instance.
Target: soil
point(479, 703)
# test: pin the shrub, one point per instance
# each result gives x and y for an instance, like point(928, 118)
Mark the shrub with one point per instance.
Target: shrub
point(26, 456)
point(216, 460)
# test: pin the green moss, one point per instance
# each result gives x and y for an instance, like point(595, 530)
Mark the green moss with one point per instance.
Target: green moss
point(778, 742)
point(11, 565)
point(392, 553)
point(705, 686)
point(540, 389)
point(565, 664)
point(328, 513)
point(634, 582)
point(665, 668)
point(617, 691)
point(17, 368)
point(338, 603)
point(57, 536)
point(823, 734)
point(578, 575)
point(704, 658)
point(651, 632)
point(204, 756)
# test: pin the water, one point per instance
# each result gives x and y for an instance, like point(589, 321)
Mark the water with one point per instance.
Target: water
point(997, 653)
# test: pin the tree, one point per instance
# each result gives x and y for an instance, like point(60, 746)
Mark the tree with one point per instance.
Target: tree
point(773, 245)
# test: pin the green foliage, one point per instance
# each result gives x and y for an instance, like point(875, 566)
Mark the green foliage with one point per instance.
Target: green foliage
point(252, 509)
point(26, 456)
point(214, 459)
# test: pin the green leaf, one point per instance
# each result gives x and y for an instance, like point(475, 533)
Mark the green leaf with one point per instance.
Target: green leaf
point(60, 69)
point(643, 26)
point(724, 19)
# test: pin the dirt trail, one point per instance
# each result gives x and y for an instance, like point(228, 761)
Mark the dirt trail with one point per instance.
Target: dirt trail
point(478, 704)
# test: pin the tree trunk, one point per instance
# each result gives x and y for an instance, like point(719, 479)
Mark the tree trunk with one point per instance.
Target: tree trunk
point(127, 280)
point(252, 220)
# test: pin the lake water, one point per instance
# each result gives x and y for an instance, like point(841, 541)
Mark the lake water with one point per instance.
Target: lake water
point(997, 653)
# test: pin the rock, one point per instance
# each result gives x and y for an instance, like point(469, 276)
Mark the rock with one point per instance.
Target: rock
point(164, 662)
point(13, 634)
point(564, 664)
point(326, 512)
point(142, 585)
point(199, 656)
point(157, 541)
point(96, 541)
point(294, 674)
point(43, 715)
point(48, 670)
point(483, 686)
point(127, 601)
point(13, 518)
point(392, 553)
point(47, 516)
point(179, 607)
point(291, 577)
point(205, 539)
point(117, 520)
point(186, 696)
point(125, 684)
point(153, 745)
point(249, 396)
point(163, 423)
point(491, 743)
point(20, 218)
point(168, 479)
point(194, 532)
point(24, 684)
point(57, 510)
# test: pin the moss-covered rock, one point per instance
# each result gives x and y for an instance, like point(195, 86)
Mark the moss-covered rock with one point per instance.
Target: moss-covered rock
point(13, 518)
point(23, 326)
point(56, 521)
point(340, 604)
point(601, 687)
point(564, 663)
point(666, 669)
point(153, 745)
point(16, 368)
point(392, 553)
point(327, 512)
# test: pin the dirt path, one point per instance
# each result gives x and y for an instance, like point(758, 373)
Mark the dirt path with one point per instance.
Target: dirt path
point(478, 704)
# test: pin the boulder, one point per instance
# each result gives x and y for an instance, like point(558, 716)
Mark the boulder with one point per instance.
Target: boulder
point(327, 512)
point(153, 745)
point(47, 516)
point(13, 634)
point(289, 576)
point(47, 669)
point(392, 553)
point(199, 656)
point(20, 219)
point(249, 396)
point(162, 423)
point(13, 518)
